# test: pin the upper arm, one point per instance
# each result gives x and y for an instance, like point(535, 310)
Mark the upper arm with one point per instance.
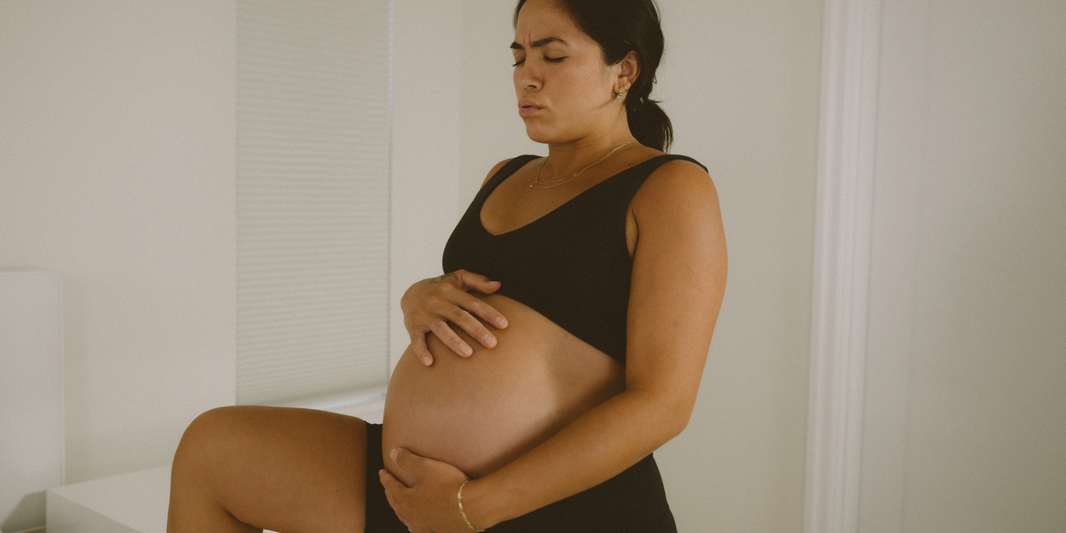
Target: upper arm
point(678, 281)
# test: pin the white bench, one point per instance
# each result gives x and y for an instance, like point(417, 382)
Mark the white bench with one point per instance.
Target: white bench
point(127, 503)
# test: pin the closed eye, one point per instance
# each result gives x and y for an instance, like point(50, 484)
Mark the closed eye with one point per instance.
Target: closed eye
point(553, 60)
point(540, 43)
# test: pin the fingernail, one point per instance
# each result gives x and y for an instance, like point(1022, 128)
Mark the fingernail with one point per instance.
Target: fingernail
point(467, 351)
point(489, 341)
point(395, 452)
point(427, 361)
point(501, 322)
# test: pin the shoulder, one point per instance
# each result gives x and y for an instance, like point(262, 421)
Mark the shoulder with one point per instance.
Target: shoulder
point(675, 184)
point(503, 164)
point(496, 168)
point(675, 211)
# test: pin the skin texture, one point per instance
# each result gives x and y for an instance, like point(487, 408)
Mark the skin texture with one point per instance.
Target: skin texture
point(241, 469)
point(478, 414)
point(554, 425)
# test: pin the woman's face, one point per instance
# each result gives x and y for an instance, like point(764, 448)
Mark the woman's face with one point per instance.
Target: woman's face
point(565, 90)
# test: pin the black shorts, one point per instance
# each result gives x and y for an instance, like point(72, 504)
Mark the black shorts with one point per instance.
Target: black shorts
point(631, 502)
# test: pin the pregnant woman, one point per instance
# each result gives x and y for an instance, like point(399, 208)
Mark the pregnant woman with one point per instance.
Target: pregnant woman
point(565, 346)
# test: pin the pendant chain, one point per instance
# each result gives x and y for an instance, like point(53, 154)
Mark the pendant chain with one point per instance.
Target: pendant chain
point(538, 185)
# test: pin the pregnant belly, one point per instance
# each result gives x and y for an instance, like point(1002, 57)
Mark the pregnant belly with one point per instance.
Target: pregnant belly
point(481, 412)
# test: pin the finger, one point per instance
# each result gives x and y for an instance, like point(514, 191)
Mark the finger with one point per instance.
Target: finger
point(460, 294)
point(404, 458)
point(410, 466)
point(391, 483)
point(469, 305)
point(404, 472)
point(471, 314)
point(484, 311)
point(452, 340)
point(470, 281)
point(418, 343)
point(387, 480)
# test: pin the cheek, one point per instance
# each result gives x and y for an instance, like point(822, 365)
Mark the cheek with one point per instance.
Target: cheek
point(585, 86)
point(590, 78)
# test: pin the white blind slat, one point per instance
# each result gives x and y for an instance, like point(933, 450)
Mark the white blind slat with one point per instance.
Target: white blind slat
point(312, 197)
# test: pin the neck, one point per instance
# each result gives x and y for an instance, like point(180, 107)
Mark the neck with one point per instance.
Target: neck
point(538, 184)
point(566, 159)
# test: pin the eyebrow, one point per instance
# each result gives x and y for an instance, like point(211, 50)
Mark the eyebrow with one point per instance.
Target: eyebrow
point(539, 43)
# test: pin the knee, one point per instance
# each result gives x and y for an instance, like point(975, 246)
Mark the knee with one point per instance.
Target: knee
point(205, 433)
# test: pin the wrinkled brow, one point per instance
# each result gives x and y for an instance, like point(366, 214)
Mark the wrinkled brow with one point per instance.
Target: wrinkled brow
point(539, 43)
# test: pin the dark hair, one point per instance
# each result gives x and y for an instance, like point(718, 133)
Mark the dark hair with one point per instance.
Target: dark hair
point(620, 27)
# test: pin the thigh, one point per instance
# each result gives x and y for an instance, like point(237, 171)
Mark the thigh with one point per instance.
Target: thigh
point(631, 502)
point(287, 470)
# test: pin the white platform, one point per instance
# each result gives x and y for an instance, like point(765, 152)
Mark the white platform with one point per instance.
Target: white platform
point(127, 503)
point(31, 395)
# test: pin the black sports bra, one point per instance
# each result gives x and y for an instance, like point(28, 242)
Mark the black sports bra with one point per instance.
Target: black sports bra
point(571, 265)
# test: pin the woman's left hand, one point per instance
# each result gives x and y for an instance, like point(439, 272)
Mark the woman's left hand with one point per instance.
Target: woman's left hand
point(424, 493)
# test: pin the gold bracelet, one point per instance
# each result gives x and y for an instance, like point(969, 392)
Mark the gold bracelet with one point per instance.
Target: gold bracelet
point(462, 512)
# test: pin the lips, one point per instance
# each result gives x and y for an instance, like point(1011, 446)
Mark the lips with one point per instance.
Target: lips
point(527, 108)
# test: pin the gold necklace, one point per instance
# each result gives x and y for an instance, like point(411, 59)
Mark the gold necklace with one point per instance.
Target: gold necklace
point(538, 185)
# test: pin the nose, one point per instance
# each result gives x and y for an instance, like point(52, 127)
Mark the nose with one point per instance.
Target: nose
point(526, 78)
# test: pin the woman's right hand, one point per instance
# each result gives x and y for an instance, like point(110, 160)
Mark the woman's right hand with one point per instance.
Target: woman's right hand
point(431, 306)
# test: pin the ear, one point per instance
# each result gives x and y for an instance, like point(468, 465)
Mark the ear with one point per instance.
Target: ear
point(629, 70)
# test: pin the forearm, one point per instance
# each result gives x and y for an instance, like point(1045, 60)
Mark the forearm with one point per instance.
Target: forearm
point(594, 448)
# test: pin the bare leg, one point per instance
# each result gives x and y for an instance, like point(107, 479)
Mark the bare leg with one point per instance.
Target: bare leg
point(243, 469)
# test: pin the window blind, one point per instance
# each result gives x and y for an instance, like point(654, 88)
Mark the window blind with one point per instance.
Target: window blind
point(313, 119)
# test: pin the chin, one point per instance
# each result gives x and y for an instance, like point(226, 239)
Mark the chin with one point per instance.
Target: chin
point(537, 136)
point(540, 135)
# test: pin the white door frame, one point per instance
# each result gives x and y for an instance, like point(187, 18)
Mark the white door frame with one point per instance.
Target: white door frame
point(850, 69)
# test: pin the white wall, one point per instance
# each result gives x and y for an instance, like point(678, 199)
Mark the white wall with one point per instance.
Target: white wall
point(965, 398)
point(490, 130)
point(116, 171)
point(427, 81)
point(741, 84)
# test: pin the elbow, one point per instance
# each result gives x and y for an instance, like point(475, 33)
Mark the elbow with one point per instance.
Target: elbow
point(671, 415)
point(665, 411)
point(677, 420)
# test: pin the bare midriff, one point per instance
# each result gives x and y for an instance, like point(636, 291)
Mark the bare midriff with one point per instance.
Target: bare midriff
point(480, 413)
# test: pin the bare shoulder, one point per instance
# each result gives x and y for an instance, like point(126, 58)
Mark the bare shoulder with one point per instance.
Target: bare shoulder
point(496, 168)
point(676, 214)
point(677, 184)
